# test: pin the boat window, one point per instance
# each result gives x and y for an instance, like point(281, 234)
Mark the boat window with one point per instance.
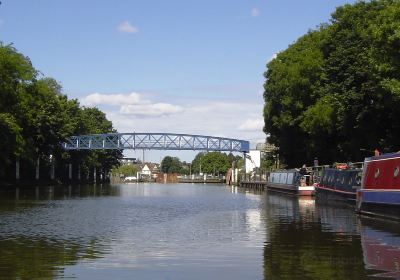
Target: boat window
point(396, 172)
point(377, 173)
point(358, 179)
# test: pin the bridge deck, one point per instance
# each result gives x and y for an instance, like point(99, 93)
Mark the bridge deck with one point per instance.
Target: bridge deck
point(155, 141)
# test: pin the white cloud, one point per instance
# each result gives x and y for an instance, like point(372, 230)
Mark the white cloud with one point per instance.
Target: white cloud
point(111, 99)
point(186, 114)
point(150, 110)
point(252, 125)
point(131, 104)
point(127, 27)
point(255, 12)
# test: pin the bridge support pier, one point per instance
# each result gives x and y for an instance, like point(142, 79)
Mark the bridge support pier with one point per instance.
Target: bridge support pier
point(79, 172)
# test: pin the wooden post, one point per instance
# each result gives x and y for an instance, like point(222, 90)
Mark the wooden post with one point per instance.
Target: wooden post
point(70, 171)
point(17, 169)
point(37, 168)
point(79, 172)
point(53, 168)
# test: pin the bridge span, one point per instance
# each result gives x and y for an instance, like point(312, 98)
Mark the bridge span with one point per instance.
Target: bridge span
point(155, 141)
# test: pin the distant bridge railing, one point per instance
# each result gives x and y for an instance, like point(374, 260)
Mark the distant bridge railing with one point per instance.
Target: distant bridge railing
point(155, 141)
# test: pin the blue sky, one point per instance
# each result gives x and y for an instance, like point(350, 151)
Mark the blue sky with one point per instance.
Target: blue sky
point(163, 66)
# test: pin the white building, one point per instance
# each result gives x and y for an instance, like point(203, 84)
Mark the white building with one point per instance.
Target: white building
point(253, 160)
point(148, 170)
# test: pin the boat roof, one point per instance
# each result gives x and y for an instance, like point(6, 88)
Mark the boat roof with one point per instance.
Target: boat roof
point(383, 156)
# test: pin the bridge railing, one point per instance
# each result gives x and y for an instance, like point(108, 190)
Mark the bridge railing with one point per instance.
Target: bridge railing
point(155, 141)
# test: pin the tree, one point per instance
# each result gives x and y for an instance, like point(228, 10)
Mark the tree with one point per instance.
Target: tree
point(211, 163)
point(171, 165)
point(125, 170)
point(336, 91)
point(35, 117)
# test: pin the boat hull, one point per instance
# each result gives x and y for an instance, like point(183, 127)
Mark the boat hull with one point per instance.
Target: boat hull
point(380, 191)
point(349, 196)
point(385, 203)
point(292, 189)
point(340, 183)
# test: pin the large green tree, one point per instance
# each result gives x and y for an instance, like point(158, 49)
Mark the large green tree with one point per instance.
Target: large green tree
point(171, 165)
point(335, 92)
point(35, 117)
point(212, 163)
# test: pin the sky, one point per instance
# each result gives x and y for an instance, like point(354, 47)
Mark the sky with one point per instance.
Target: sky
point(173, 66)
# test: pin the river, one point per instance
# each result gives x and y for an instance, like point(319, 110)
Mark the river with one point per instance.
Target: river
point(185, 231)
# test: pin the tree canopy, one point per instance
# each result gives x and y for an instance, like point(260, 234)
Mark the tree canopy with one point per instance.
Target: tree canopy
point(213, 162)
point(36, 116)
point(171, 165)
point(335, 93)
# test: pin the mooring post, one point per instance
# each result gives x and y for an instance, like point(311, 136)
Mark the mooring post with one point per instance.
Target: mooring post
point(70, 171)
point(37, 167)
point(79, 172)
point(17, 169)
point(53, 167)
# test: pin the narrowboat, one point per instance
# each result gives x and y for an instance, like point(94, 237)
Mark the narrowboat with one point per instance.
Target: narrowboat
point(380, 187)
point(341, 181)
point(291, 182)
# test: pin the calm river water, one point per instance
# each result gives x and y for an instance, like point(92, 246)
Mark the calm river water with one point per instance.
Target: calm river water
point(152, 231)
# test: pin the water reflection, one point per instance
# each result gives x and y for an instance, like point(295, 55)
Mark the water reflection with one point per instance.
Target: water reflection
point(150, 231)
point(28, 258)
point(381, 247)
point(305, 243)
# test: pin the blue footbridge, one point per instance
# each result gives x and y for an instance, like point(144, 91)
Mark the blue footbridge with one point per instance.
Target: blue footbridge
point(155, 141)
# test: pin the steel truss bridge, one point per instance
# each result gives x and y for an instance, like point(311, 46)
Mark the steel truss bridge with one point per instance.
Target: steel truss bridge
point(155, 141)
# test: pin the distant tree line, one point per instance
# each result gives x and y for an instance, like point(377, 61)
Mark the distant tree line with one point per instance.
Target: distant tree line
point(335, 92)
point(36, 116)
point(214, 163)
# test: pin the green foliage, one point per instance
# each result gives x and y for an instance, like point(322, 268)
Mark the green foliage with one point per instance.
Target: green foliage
point(337, 89)
point(35, 116)
point(211, 163)
point(172, 165)
point(125, 170)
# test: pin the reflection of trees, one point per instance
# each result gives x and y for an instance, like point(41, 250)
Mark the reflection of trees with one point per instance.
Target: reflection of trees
point(23, 258)
point(301, 248)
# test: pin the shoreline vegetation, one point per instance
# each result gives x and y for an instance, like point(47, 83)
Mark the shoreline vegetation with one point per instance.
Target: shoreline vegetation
point(335, 93)
point(35, 116)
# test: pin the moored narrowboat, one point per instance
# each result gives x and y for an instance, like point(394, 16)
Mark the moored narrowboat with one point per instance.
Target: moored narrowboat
point(342, 181)
point(291, 182)
point(380, 187)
